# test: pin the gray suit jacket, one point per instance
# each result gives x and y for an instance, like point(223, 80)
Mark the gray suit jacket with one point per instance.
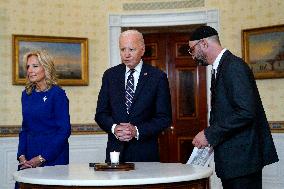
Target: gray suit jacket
point(238, 131)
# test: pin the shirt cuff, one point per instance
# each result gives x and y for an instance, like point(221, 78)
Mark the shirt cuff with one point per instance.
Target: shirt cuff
point(137, 133)
point(112, 130)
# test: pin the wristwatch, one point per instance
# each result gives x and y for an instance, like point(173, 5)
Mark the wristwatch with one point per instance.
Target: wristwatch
point(41, 159)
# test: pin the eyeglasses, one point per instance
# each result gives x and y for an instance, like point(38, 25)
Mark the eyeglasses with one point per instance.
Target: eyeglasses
point(191, 49)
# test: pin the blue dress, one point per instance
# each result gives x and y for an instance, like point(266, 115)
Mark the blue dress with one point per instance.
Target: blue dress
point(46, 126)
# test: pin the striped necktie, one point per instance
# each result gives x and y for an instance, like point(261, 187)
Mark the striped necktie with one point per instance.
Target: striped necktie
point(129, 90)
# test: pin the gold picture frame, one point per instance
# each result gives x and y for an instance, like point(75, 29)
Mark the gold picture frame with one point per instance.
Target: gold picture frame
point(70, 56)
point(263, 50)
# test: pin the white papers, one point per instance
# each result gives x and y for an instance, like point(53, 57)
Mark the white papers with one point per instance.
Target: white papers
point(200, 156)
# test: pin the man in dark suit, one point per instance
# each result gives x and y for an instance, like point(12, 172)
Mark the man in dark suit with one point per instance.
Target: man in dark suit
point(238, 131)
point(134, 103)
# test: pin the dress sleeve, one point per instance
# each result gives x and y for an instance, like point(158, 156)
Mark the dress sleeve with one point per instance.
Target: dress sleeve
point(62, 119)
point(22, 146)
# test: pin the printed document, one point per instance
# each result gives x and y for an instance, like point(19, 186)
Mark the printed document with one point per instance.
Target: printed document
point(201, 156)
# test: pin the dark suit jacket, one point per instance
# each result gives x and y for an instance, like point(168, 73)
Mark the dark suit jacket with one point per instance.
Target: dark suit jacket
point(238, 131)
point(150, 111)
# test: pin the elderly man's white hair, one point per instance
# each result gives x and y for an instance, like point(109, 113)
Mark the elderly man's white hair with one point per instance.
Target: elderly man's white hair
point(133, 32)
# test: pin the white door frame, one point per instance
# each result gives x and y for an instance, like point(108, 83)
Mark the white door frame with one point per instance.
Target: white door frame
point(117, 21)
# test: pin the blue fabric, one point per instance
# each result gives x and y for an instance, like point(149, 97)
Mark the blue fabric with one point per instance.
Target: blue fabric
point(46, 126)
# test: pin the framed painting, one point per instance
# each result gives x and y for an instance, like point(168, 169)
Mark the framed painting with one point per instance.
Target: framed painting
point(263, 50)
point(182, 50)
point(70, 57)
point(150, 51)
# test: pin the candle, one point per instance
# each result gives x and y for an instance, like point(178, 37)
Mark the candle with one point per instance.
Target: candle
point(114, 157)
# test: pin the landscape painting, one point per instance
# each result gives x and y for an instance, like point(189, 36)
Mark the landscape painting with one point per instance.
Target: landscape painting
point(263, 50)
point(69, 54)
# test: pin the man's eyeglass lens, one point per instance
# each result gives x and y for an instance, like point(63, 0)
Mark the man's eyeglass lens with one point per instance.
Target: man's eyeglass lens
point(191, 49)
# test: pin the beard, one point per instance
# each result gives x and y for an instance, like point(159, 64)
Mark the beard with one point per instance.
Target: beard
point(201, 60)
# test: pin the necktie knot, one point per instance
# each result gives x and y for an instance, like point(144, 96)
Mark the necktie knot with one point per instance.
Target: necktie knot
point(132, 71)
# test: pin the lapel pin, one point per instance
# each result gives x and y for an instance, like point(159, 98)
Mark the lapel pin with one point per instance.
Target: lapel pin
point(146, 73)
point(44, 98)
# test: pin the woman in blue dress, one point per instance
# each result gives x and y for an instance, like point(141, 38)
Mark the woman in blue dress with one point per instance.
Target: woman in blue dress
point(43, 139)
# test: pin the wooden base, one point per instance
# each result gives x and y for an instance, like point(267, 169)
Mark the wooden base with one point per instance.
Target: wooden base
point(196, 184)
point(114, 167)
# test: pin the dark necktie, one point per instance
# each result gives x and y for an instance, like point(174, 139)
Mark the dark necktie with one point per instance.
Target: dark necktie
point(212, 88)
point(129, 90)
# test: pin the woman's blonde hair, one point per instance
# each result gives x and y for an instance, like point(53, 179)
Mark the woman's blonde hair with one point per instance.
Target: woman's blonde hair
point(48, 64)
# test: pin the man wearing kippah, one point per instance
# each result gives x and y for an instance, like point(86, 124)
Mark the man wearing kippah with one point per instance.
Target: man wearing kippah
point(238, 129)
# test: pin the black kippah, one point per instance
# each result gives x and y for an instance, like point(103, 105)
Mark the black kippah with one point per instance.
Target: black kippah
point(203, 32)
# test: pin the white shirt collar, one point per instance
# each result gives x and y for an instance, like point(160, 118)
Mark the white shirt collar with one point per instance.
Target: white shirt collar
point(136, 74)
point(217, 60)
point(137, 68)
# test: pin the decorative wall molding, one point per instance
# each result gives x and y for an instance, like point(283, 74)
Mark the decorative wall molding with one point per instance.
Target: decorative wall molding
point(277, 126)
point(76, 129)
point(87, 129)
point(163, 5)
point(9, 131)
